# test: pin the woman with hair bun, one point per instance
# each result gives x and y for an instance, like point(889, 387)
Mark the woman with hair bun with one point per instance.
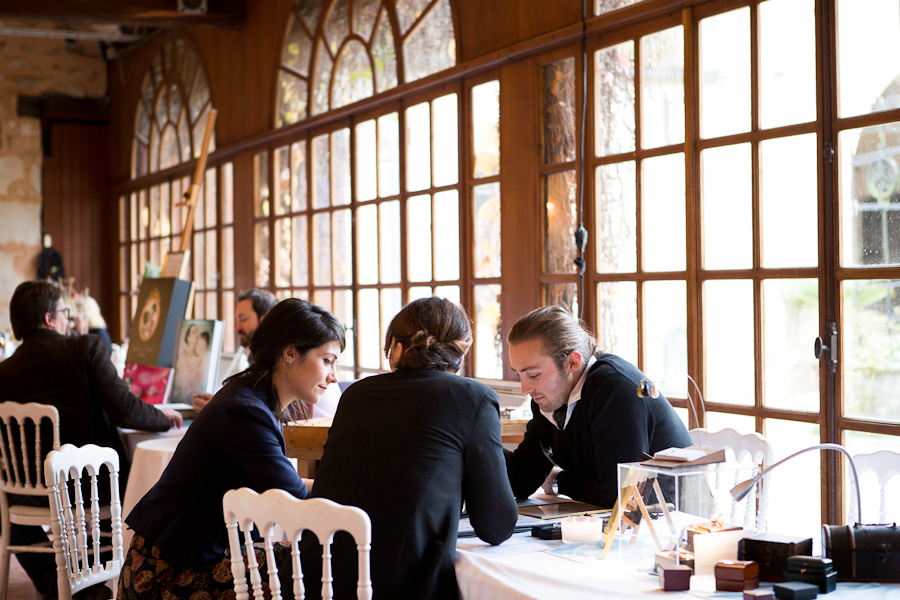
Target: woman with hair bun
point(409, 447)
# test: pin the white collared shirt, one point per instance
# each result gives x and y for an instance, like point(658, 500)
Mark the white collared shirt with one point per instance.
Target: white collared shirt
point(574, 395)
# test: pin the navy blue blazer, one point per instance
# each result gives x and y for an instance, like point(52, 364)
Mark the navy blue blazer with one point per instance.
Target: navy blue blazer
point(235, 442)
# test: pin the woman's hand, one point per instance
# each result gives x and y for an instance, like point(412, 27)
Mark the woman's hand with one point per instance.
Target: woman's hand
point(201, 400)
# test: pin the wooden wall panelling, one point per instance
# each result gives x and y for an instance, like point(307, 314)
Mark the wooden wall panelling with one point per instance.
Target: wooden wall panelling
point(76, 207)
point(244, 266)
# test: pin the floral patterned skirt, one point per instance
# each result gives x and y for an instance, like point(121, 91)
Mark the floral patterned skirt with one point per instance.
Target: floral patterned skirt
point(149, 575)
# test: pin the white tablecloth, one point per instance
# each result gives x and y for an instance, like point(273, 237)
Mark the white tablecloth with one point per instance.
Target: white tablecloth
point(150, 459)
point(522, 569)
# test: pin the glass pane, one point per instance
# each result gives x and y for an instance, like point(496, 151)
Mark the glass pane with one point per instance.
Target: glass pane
point(417, 292)
point(298, 173)
point(364, 13)
point(418, 147)
point(366, 175)
point(297, 49)
point(487, 230)
point(727, 207)
point(321, 188)
point(868, 62)
point(340, 167)
point(614, 99)
point(488, 341)
point(604, 6)
point(388, 155)
point(446, 142)
point(300, 256)
point(728, 341)
point(322, 81)
point(165, 223)
point(199, 254)
point(662, 213)
point(791, 320)
point(212, 264)
point(559, 111)
point(321, 248)
point(408, 11)
point(368, 330)
point(486, 129)
point(560, 222)
point(799, 479)
point(200, 212)
point(787, 87)
point(283, 252)
point(389, 241)
point(561, 294)
point(662, 100)
point(871, 334)
point(717, 421)
point(418, 227)
point(212, 307)
point(123, 270)
point(789, 202)
point(144, 215)
point(617, 319)
point(228, 257)
point(725, 77)
point(367, 244)
point(665, 335)
point(134, 217)
point(353, 78)
point(391, 303)
point(292, 103)
point(322, 298)
point(341, 247)
point(342, 307)
point(870, 195)
point(199, 305)
point(450, 292)
point(210, 202)
point(446, 237)
point(431, 47)
point(228, 316)
point(384, 54)
point(261, 187)
point(282, 171)
point(309, 11)
point(154, 212)
point(616, 231)
point(178, 213)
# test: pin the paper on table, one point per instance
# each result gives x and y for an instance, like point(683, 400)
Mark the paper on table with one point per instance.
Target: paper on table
point(711, 548)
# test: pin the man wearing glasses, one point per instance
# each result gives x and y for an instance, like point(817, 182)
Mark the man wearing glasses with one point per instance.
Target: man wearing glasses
point(74, 374)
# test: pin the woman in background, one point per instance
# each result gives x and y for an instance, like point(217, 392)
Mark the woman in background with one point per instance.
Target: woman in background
point(180, 538)
point(408, 447)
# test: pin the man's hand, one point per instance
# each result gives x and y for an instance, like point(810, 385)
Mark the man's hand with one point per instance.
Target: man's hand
point(201, 400)
point(174, 417)
point(550, 482)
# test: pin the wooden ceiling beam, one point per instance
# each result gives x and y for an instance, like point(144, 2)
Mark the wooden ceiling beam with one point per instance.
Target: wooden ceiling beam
point(146, 13)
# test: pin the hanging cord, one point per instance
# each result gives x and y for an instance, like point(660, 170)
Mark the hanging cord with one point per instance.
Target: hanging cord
point(581, 234)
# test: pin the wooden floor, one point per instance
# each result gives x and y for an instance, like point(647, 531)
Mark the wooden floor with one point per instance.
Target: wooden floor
point(20, 587)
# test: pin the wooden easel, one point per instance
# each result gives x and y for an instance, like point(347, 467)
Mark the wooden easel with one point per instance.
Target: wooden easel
point(631, 496)
point(176, 263)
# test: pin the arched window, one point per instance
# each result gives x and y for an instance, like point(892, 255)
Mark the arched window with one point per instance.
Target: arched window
point(337, 52)
point(172, 110)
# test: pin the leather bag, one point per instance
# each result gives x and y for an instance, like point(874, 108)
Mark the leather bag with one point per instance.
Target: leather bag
point(864, 552)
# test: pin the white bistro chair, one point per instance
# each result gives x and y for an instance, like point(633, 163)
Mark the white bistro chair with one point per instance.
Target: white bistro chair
point(21, 470)
point(73, 523)
point(243, 508)
point(885, 464)
point(751, 448)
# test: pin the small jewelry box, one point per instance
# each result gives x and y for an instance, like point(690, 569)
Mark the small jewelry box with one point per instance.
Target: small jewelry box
point(759, 594)
point(796, 590)
point(737, 575)
point(675, 578)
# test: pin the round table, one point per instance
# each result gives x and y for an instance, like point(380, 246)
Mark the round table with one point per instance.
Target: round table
point(150, 460)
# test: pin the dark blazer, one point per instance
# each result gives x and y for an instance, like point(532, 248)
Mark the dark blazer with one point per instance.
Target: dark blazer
point(408, 448)
point(235, 442)
point(74, 374)
point(609, 425)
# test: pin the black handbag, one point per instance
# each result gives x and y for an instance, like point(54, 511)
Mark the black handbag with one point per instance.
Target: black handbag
point(864, 552)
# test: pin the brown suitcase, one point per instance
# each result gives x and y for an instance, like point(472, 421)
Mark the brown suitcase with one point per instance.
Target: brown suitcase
point(864, 552)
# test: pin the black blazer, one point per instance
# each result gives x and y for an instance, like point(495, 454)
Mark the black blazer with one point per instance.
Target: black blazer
point(408, 448)
point(74, 374)
point(235, 442)
point(609, 425)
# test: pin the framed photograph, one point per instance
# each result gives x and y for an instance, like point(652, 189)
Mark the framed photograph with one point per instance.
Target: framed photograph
point(197, 353)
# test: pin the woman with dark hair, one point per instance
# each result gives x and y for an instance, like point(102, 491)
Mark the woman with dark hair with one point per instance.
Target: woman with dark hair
point(409, 447)
point(180, 538)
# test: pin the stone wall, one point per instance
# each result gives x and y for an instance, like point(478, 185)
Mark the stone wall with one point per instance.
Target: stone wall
point(32, 67)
